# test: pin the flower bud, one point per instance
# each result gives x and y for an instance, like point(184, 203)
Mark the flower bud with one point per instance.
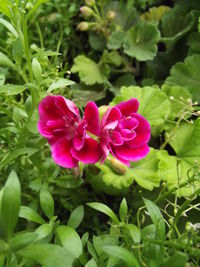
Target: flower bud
point(83, 26)
point(111, 15)
point(89, 2)
point(86, 11)
point(117, 166)
point(102, 110)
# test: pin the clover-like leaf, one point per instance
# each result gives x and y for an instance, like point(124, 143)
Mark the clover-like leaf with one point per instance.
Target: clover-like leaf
point(154, 104)
point(141, 41)
point(89, 71)
point(187, 75)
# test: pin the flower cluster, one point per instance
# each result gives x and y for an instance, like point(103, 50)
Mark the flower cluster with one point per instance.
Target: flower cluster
point(122, 132)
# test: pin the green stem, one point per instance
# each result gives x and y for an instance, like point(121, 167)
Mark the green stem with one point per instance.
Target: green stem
point(26, 47)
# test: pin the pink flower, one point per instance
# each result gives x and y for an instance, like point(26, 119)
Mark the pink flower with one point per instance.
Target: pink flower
point(124, 133)
point(67, 133)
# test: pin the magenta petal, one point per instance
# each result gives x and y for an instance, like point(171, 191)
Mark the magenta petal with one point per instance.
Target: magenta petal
point(112, 115)
point(116, 138)
point(130, 154)
point(90, 153)
point(143, 132)
point(79, 137)
point(91, 116)
point(128, 107)
point(127, 134)
point(61, 154)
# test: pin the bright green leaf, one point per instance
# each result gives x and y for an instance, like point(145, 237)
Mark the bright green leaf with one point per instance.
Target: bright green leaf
point(104, 209)
point(123, 209)
point(60, 83)
point(156, 217)
point(47, 203)
point(43, 231)
point(30, 215)
point(48, 255)
point(76, 217)
point(89, 71)
point(69, 239)
point(22, 240)
point(10, 203)
point(9, 26)
point(123, 254)
point(12, 89)
point(154, 104)
point(37, 70)
point(5, 61)
point(134, 232)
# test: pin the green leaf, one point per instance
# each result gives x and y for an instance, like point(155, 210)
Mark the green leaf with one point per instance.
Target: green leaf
point(123, 210)
point(156, 217)
point(110, 181)
point(44, 231)
point(178, 259)
point(5, 7)
point(174, 172)
point(186, 142)
point(47, 203)
point(5, 61)
point(116, 39)
point(22, 240)
point(155, 13)
point(154, 104)
point(37, 70)
point(9, 26)
point(60, 83)
point(134, 233)
point(178, 98)
point(48, 255)
point(89, 71)
point(91, 263)
point(175, 23)
point(123, 254)
point(76, 217)
point(10, 204)
point(187, 75)
point(12, 89)
point(144, 171)
point(69, 239)
point(104, 209)
point(141, 41)
point(113, 58)
point(30, 215)
point(97, 41)
point(104, 240)
point(17, 51)
point(36, 5)
point(68, 181)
